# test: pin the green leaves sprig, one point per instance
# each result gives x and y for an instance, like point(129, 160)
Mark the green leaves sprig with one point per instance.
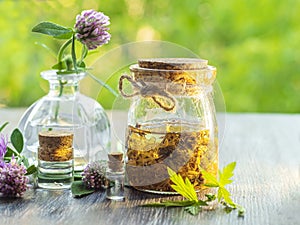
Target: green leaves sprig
point(223, 195)
point(192, 204)
point(65, 64)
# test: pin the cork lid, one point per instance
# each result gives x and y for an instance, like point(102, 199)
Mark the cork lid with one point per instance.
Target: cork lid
point(173, 63)
point(116, 161)
point(115, 156)
point(55, 139)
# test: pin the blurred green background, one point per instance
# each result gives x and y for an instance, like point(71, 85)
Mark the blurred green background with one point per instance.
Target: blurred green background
point(254, 44)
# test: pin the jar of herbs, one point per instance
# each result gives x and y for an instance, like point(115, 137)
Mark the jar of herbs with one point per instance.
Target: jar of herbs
point(171, 122)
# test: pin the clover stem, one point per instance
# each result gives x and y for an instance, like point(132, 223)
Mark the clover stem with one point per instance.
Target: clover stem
point(62, 49)
point(84, 53)
point(59, 95)
point(59, 59)
point(74, 54)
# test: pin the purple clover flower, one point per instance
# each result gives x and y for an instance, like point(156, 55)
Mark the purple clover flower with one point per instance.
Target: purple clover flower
point(94, 175)
point(12, 178)
point(3, 146)
point(91, 28)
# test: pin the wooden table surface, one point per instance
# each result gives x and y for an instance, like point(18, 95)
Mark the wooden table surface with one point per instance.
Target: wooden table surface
point(266, 148)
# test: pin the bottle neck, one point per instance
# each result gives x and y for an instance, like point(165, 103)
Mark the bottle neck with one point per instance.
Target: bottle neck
point(62, 85)
point(59, 88)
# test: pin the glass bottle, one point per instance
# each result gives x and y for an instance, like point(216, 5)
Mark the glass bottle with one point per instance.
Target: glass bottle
point(64, 108)
point(115, 173)
point(55, 160)
point(171, 123)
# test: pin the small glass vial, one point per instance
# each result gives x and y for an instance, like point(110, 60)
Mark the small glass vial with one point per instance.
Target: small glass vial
point(115, 173)
point(55, 160)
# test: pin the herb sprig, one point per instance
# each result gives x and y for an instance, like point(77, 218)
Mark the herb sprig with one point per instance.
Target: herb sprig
point(223, 195)
point(192, 204)
point(186, 189)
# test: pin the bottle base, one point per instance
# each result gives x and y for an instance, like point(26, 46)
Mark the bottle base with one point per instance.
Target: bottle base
point(116, 198)
point(55, 175)
point(54, 186)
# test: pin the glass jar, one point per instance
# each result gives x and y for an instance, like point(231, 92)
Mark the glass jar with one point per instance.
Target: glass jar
point(171, 122)
point(64, 108)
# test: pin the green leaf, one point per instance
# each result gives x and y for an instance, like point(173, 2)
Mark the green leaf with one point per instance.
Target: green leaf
point(53, 30)
point(210, 180)
point(67, 35)
point(81, 65)
point(226, 174)
point(191, 189)
point(202, 203)
point(193, 209)
point(228, 209)
point(78, 189)
point(31, 170)
point(171, 203)
point(223, 193)
point(16, 139)
point(220, 195)
point(210, 197)
point(3, 126)
point(186, 189)
point(59, 66)
point(10, 152)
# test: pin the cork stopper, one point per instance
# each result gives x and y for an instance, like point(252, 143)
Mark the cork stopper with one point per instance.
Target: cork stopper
point(173, 63)
point(116, 161)
point(180, 71)
point(55, 146)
